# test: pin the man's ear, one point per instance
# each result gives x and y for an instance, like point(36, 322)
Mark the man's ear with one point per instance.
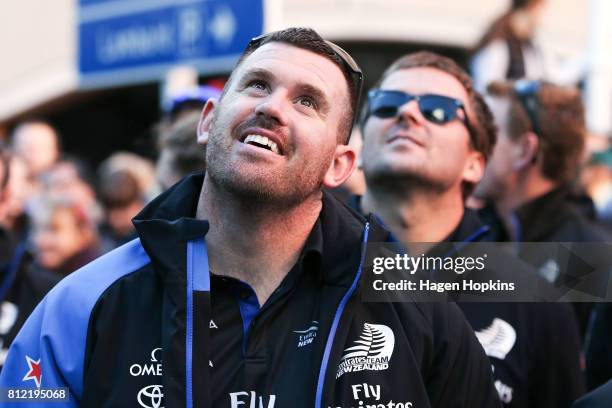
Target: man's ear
point(208, 113)
point(475, 166)
point(525, 152)
point(345, 159)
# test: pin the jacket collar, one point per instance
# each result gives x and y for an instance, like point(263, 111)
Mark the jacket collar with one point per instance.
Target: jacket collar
point(168, 222)
point(470, 229)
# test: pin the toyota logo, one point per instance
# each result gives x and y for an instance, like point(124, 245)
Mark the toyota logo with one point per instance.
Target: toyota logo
point(151, 396)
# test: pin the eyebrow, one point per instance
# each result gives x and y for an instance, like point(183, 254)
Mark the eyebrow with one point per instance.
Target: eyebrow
point(257, 73)
point(303, 88)
point(317, 94)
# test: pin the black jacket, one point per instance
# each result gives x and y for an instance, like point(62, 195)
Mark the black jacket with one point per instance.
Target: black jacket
point(552, 217)
point(134, 325)
point(534, 347)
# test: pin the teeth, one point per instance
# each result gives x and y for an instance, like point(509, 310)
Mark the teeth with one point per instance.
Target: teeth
point(262, 140)
point(274, 147)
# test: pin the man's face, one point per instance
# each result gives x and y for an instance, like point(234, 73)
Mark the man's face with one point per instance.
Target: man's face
point(409, 148)
point(58, 238)
point(274, 133)
point(37, 144)
point(499, 171)
point(3, 192)
point(18, 190)
point(63, 180)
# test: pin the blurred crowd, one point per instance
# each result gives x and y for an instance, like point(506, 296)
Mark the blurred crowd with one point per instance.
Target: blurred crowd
point(58, 214)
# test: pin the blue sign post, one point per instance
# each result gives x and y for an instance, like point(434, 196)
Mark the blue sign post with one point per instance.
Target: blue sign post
point(123, 41)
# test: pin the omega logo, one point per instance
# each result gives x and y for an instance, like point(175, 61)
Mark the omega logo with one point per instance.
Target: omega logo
point(155, 369)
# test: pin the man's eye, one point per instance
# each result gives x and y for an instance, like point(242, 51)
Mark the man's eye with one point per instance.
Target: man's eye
point(257, 84)
point(308, 102)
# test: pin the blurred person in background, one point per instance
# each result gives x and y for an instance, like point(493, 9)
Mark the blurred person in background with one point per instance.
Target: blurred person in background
point(122, 199)
point(181, 152)
point(190, 101)
point(508, 50)
point(38, 143)
point(21, 286)
point(71, 177)
point(64, 234)
point(427, 137)
point(5, 246)
point(142, 169)
point(528, 181)
point(18, 193)
point(596, 179)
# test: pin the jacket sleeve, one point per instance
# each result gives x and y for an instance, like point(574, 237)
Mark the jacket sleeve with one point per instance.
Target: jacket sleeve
point(43, 357)
point(459, 373)
point(49, 351)
point(600, 397)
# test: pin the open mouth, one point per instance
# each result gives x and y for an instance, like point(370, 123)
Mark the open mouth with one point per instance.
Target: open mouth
point(262, 142)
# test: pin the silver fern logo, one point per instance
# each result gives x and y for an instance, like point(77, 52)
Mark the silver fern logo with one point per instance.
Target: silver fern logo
point(497, 339)
point(371, 352)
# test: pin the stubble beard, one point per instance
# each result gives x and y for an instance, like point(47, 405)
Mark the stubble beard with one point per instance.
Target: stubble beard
point(401, 183)
point(257, 190)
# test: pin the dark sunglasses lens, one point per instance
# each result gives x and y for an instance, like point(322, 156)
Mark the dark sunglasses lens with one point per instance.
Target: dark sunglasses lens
point(385, 111)
point(437, 109)
point(386, 104)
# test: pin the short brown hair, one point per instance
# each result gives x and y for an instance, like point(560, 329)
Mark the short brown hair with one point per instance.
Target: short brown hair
point(180, 148)
point(310, 40)
point(561, 122)
point(484, 132)
point(119, 189)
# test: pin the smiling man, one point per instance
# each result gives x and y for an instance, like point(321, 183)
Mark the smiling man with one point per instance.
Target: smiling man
point(243, 289)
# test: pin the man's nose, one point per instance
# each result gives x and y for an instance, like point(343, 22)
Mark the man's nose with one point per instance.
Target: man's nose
point(411, 113)
point(275, 106)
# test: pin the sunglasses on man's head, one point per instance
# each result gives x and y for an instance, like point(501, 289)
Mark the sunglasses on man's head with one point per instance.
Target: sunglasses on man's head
point(438, 109)
point(527, 92)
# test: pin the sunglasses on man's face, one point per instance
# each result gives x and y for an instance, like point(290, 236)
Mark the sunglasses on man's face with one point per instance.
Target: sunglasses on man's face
point(438, 109)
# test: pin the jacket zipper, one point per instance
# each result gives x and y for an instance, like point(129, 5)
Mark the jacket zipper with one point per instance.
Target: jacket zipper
point(336, 321)
point(198, 279)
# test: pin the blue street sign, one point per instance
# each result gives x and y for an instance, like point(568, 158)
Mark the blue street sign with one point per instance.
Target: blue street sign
point(137, 39)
